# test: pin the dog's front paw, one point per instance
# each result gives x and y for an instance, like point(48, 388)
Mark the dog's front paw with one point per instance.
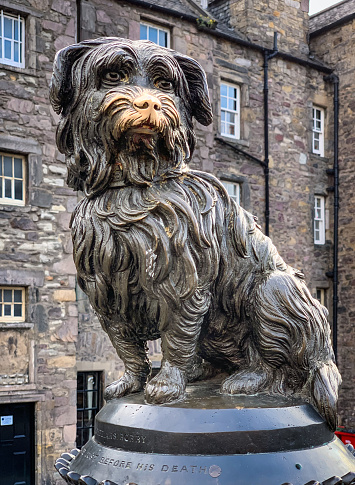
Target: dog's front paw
point(245, 382)
point(168, 385)
point(125, 385)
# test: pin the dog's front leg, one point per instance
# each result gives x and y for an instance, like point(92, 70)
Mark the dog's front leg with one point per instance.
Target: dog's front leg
point(179, 344)
point(133, 353)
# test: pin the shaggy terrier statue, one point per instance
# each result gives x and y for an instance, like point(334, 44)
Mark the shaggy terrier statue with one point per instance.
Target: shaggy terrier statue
point(162, 251)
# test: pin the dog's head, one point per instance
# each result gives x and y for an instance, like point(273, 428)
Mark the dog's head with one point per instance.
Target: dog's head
point(127, 109)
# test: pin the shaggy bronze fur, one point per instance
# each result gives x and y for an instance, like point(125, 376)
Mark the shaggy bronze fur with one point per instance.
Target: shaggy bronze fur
point(162, 251)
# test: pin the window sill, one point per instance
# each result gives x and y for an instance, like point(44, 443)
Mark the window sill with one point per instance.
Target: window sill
point(16, 326)
point(234, 141)
point(314, 156)
point(325, 245)
point(11, 207)
point(29, 71)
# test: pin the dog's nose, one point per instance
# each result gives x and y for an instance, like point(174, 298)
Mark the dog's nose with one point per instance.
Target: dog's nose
point(147, 104)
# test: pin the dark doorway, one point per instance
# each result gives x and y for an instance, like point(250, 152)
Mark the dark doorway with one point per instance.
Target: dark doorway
point(17, 444)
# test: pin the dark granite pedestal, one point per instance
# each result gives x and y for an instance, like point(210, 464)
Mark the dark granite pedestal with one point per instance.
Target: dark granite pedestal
point(210, 438)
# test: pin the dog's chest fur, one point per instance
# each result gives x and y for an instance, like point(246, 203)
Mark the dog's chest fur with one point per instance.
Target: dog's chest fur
point(147, 249)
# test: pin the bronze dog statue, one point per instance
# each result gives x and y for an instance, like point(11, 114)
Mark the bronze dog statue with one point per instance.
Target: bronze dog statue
point(162, 251)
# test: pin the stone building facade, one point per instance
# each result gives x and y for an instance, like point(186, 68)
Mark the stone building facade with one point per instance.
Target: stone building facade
point(54, 335)
point(332, 38)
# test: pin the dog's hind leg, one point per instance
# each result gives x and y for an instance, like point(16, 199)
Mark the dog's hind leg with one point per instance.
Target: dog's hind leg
point(251, 380)
point(291, 335)
point(133, 353)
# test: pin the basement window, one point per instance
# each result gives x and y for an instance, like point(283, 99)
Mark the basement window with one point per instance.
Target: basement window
point(12, 39)
point(318, 131)
point(89, 402)
point(12, 304)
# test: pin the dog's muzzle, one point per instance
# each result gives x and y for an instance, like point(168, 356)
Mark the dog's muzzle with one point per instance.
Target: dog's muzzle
point(149, 108)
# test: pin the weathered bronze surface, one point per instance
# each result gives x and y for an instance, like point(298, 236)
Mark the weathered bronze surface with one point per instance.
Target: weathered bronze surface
point(162, 251)
point(210, 438)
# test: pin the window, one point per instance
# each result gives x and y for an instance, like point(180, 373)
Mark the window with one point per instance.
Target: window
point(156, 34)
point(321, 296)
point(12, 304)
point(12, 179)
point(319, 219)
point(233, 190)
point(318, 131)
point(12, 40)
point(89, 401)
point(230, 110)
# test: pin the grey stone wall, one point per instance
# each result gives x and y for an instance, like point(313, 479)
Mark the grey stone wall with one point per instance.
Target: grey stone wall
point(336, 47)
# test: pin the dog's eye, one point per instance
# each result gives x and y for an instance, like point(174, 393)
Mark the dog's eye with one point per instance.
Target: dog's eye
point(164, 84)
point(114, 76)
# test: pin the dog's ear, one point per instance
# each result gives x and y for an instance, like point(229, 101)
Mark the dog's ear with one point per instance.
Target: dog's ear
point(61, 89)
point(196, 79)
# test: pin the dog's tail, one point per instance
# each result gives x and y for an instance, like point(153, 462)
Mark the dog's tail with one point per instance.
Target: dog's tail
point(324, 390)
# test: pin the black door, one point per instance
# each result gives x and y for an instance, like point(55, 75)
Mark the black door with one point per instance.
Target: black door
point(17, 444)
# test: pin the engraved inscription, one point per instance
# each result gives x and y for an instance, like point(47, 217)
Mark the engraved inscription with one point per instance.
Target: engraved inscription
point(115, 463)
point(214, 470)
point(88, 455)
point(123, 437)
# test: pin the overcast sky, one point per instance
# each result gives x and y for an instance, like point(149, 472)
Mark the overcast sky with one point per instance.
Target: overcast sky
point(318, 5)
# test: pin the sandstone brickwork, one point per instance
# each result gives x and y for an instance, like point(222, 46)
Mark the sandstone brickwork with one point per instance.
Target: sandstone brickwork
point(61, 335)
point(336, 47)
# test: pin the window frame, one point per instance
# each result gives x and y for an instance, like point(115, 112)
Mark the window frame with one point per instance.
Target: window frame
point(321, 296)
point(321, 220)
point(93, 409)
point(159, 28)
point(237, 197)
point(319, 132)
point(236, 112)
point(7, 200)
point(12, 318)
point(21, 25)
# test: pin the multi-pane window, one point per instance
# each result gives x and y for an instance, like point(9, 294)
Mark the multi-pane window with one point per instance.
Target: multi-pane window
point(158, 35)
point(12, 304)
point(233, 190)
point(318, 131)
point(12, 179)
point(230, 110)
point(89, 401)
point(319, 219)
point(321, 296)
point(12, 40)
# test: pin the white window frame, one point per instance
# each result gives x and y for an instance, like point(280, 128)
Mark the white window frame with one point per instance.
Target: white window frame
point(12, 318)
point(21, 42)
point(318, 116)
point(233, 189)
point(321, 296)
point(235, 112)
point(319, 219)
point(3, 177)
point(159, 29)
